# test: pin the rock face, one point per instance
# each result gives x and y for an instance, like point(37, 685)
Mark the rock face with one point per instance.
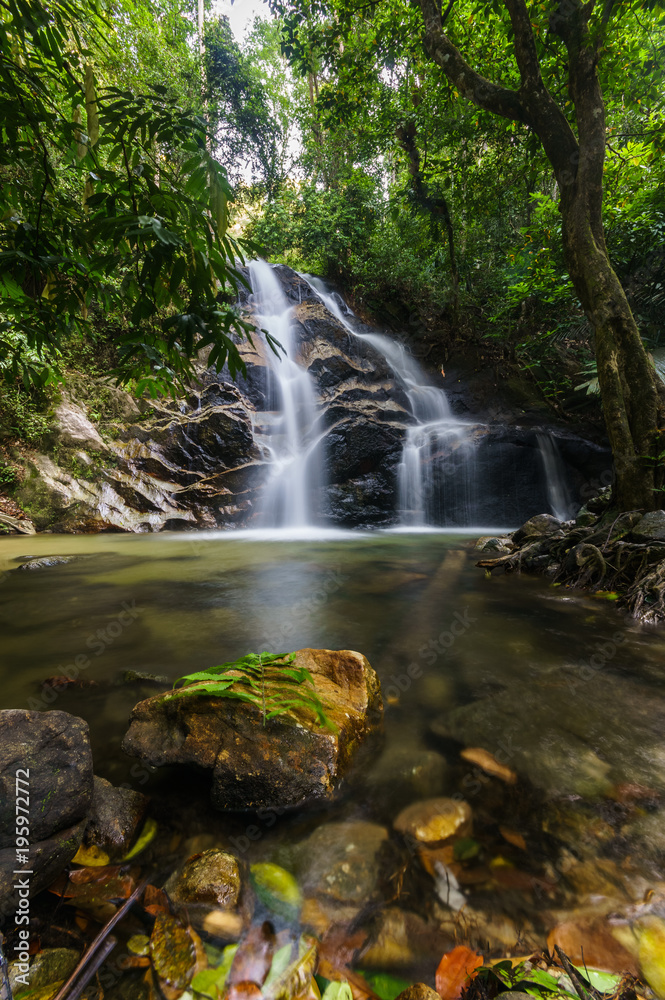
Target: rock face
point(203, 461)
point(289, 761)
point(54, 747)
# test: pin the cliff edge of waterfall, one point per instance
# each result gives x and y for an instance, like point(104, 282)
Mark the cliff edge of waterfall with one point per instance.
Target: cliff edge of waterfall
point(345, 430)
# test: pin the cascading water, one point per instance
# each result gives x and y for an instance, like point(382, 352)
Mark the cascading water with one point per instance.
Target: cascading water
point(296, 471)
point(558, 494)
point(436, 437)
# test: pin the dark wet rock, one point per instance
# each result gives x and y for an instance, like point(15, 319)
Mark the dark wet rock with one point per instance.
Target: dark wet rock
point(402, 774)
point(541, 524)
point(54, 748)
point(114, 817)
point(45, 562)
point(546, 733)
point(289, 761)
point(48, 966)
point(650, 528)
point(342, 862)
point(585, 518)
point(46, 859)
point(211, 877)
point(495, 543)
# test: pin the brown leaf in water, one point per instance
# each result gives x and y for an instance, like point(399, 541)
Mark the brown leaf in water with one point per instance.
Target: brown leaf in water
point(93, 885)
point(254, 955)
point(455, 971)
point(173, 951)
point(244, 991)
point(513, 837)
point(592, 942)
point(132, 962)
point(155, 901)
point(488, 763)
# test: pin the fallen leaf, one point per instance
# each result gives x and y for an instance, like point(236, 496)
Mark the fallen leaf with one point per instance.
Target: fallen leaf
point(244, 991)
point(360, 988)
point(146, 835)
point(132, 962)
point(485, 760)
point(139, 944)
point(277, 889)
point(455, 970)
point(91, 856)
point(590, 942)
point(155, 901)
point(513, 837)
point(254, 955)
point(173, 951)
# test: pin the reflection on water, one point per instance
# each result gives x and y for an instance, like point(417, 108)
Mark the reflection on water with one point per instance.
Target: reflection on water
point(564, 688)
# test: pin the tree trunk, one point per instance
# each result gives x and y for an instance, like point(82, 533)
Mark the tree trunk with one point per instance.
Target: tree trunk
point(631, 393)
point(436, 205)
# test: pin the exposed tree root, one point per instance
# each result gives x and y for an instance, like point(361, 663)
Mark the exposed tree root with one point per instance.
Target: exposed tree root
point(601, 557)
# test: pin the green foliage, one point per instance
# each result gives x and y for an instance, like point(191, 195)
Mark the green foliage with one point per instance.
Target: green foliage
point(8, 474)
point(22, 414)
point(128, 212)
point(263, 679)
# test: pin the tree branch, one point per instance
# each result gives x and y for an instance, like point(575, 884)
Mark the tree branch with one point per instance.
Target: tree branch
point(485, 94)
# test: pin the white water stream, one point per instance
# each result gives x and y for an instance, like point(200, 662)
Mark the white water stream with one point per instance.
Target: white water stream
point(296, 461)
point(439, 470)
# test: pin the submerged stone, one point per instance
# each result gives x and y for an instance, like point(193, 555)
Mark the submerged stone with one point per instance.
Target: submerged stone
point(115, 816)
point(434, 820)
point(211, 877)
point(341, 861)
point(283, 762)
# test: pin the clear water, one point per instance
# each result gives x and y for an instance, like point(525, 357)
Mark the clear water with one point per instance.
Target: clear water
point(522, 650)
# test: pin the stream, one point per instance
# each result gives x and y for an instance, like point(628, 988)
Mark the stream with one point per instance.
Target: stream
point(556, 685)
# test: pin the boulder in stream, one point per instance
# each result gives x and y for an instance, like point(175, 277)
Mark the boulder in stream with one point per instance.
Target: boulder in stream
point(279, 763)
point(50, 753)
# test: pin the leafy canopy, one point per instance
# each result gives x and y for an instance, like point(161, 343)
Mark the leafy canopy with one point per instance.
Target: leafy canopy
point(110, 203)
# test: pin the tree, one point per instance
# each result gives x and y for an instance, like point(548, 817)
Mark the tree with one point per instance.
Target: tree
point(575, 147)
point(110, 201)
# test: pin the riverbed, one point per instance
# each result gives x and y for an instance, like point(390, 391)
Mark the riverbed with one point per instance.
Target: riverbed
point(557, 686)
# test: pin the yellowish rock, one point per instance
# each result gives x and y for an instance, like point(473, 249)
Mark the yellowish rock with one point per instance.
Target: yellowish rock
point(434, 820)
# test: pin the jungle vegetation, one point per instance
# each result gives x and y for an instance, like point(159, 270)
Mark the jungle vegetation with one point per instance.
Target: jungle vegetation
point(485, 174)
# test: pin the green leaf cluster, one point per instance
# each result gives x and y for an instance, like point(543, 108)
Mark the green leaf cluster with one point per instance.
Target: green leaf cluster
point(268, 680)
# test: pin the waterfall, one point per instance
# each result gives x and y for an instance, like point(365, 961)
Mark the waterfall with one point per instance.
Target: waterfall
point(558, 494)
point(296, 462)
point(439, 453)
